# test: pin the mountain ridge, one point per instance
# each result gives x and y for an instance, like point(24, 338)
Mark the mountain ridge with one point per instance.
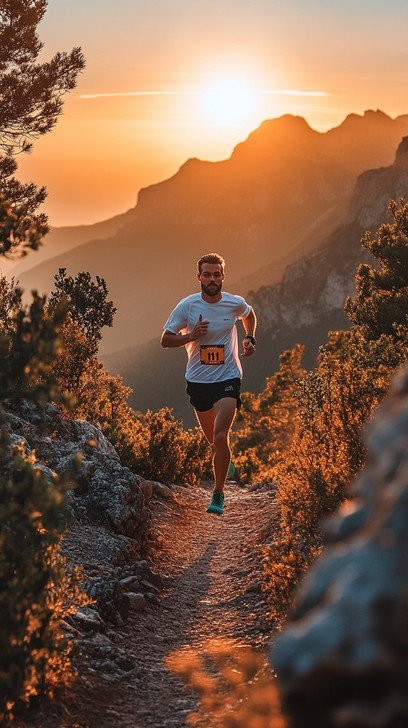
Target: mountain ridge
point(254, 212)
point(302, 307)
point(59, 240)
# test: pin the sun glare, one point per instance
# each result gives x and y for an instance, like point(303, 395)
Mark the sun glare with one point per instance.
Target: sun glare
point(229, 101)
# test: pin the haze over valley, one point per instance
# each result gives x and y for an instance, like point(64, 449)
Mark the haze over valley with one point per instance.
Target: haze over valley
point(281, 196)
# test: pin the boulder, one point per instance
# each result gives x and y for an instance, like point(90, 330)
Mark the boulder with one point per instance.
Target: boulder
point(137, 601)
point(342, 658)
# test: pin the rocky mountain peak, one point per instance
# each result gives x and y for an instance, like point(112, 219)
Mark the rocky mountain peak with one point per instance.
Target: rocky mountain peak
point(370, 116)
point(376, 187)
point(273, 135)
point(401, 157)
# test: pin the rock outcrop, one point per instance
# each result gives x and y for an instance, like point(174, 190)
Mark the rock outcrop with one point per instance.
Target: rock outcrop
point(342, 659)
point(309, 300)
point(375, 187)
point(109, 515)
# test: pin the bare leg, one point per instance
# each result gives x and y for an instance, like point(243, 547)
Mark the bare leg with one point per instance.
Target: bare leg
point(206, 420)
point(224, 416)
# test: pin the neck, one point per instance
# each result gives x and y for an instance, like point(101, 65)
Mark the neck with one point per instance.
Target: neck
point(211, 299)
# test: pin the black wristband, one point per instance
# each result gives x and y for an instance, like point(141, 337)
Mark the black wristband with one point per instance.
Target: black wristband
point(252, 338)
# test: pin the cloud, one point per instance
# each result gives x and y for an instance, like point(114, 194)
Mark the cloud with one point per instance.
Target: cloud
point(274, 92)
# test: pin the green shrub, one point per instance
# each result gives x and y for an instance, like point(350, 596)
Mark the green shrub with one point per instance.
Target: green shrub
point(332, 404)
point(35, 587)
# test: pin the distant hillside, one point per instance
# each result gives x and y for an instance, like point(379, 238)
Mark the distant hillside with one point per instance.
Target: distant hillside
point(309, 299)
point(63, 239)
point(302, 307)
point(258, 208)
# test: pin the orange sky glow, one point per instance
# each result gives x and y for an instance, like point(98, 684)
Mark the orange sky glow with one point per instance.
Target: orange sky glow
point(166, 80)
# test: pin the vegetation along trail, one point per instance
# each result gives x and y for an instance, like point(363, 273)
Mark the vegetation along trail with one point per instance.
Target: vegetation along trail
point(212, 569)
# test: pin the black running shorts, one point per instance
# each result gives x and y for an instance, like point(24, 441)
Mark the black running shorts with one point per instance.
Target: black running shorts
point(203, 396)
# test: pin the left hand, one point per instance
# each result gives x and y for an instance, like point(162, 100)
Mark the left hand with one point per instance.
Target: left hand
point(248, 347)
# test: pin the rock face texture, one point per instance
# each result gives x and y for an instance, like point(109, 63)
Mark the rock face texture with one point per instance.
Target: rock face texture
point(108, 509)
point(342, 659)
point(107, 493)
point(309, 299)
point(373, 189)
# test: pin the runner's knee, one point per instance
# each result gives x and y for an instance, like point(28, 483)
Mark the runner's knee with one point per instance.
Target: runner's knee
point(221, 439)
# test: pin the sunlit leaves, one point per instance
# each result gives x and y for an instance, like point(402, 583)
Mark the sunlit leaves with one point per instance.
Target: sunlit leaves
point(235, 684)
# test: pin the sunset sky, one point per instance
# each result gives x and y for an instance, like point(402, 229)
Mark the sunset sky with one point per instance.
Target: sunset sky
point(217, 69)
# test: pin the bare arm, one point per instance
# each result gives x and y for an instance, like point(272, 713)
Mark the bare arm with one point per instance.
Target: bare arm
point(249, 324)
point(169, 339)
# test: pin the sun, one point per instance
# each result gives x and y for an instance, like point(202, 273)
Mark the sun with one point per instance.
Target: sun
point(229, 101)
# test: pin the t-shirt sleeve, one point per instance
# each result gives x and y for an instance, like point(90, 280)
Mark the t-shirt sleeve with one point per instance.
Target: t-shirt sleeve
point(177, 319)
point(243, 308)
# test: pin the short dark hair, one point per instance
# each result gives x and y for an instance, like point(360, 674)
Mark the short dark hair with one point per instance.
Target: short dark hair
point(211, 258)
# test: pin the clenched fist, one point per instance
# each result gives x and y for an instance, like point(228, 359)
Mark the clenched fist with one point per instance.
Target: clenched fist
point(248, 347)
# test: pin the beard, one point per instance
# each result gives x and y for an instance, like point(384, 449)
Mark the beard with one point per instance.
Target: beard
point(211, 289)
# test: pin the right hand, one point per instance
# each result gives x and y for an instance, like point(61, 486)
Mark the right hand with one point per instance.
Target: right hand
point(200, 329)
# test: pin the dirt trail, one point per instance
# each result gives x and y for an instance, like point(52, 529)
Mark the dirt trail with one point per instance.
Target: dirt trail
point(212, 572)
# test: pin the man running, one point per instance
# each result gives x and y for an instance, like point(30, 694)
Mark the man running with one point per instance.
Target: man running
point(205, 324)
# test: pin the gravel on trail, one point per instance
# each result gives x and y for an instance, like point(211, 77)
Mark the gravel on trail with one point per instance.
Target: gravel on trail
point(211, 572)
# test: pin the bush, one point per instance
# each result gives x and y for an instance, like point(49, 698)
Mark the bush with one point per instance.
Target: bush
point(326, 451)
point(164, 451)
point(154, 445)
point(332, 404)
point(35, 587)
point(235, 684)
point(266, 420)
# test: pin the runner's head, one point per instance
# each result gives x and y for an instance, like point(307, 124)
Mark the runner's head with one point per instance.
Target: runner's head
point(211, 273)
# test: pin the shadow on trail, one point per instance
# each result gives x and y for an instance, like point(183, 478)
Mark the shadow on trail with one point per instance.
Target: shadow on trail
point(190, 588)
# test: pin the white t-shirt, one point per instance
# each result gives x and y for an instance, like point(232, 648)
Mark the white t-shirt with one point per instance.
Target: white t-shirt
point(213, 357)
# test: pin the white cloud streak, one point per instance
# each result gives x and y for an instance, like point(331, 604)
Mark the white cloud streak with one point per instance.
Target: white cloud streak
point(272, 92)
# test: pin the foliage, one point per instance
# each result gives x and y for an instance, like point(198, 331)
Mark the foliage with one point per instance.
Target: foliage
point(10, 302)
point(20, 229)
point(164, 451)
point(88, 312)
point(332, 404)
point(31, 101)
point(154, 445)
point(326, 451)
point(380, 305)
point(26, 350)
point(88, 304)
point(234, 682)
point(35, 587)
point(266, 420)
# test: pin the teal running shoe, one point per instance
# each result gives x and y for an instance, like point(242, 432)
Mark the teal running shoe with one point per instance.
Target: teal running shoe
point(217, 503)
point(231, 471)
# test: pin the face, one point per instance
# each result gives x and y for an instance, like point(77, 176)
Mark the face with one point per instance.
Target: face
point(211, 278)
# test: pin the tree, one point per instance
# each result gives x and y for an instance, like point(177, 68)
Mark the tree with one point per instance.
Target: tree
point(380, 305)
point(10, 302)
point(30, 103)
point(88, 304)
point(88, 311)
point(35, 587)
point(334, 401)
point(266, 422)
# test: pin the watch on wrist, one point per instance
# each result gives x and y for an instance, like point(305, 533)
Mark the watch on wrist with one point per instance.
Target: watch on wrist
point(251, 338)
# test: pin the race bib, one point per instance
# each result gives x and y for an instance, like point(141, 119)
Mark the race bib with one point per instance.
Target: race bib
point(212, 355)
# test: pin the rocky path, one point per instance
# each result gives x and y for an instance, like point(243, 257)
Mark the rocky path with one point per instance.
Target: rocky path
point(211, 568)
